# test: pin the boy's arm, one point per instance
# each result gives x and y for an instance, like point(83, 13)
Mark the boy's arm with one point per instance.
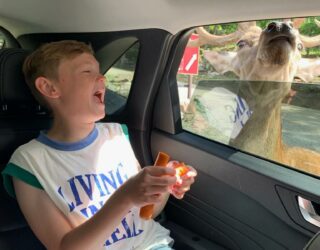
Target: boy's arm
point(160, 206)
point(53, 229)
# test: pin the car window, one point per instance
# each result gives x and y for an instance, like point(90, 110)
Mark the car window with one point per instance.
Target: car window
point(119, 79)
point(255, 86)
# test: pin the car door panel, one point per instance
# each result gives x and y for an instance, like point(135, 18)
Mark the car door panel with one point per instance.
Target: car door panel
point(239, 200)
point(230, 204)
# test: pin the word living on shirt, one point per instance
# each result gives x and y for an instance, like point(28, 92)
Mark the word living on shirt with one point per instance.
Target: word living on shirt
point(84, 188)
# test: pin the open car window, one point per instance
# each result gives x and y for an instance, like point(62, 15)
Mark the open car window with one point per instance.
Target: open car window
point(255, 86)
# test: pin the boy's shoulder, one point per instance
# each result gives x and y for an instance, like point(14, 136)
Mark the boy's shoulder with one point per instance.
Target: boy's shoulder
point(32, 147)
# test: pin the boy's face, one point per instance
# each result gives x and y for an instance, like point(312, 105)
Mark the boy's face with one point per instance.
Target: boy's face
point(82, 89)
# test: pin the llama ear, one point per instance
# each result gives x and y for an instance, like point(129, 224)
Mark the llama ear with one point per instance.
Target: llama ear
point(47, 88)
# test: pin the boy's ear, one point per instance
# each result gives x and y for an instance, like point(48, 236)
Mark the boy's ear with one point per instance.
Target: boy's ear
point(47, 87)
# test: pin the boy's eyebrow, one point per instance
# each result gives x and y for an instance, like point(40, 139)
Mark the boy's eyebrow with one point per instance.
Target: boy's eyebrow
point(89, 63)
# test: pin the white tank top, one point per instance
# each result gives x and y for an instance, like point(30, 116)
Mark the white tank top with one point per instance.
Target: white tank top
point(79, 177)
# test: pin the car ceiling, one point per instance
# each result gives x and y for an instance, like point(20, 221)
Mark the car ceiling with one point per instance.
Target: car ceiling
point(37, 16)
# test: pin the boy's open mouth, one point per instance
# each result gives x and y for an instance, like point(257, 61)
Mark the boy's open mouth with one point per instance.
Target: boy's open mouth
point(99, 96)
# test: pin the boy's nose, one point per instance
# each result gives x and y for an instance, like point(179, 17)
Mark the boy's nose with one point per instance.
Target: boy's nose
point(101, 77)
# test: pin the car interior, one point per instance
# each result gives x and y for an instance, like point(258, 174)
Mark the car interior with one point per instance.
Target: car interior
point(239, 200)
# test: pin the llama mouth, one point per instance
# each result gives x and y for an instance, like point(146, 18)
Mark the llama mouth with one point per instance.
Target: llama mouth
point(280, 38)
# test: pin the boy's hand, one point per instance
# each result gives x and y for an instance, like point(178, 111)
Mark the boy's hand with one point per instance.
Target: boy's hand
point(148, 186)
point(184, 181)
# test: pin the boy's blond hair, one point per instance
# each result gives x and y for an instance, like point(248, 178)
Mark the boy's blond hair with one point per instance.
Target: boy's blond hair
point(45, 61)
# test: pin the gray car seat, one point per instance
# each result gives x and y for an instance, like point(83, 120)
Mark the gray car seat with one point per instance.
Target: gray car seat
point(21, 118)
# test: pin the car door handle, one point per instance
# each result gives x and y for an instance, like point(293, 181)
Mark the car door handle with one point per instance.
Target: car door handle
point(308, 211)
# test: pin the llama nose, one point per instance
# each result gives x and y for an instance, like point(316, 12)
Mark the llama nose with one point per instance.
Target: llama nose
point(285, 27)
point(273, 26)
point(278, 27)
point(101, 77)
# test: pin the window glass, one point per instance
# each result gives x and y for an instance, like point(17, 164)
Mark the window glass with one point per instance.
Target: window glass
point(119, 79)
point(256, 86)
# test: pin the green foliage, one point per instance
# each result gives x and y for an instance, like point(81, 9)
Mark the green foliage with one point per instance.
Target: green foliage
point(222, 29)
point(309, 28)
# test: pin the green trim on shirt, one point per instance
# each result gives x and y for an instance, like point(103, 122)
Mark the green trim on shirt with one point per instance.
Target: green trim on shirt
point(125, 130)
point(12, 170)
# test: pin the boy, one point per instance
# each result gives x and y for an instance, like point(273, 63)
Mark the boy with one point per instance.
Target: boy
point(79, 185)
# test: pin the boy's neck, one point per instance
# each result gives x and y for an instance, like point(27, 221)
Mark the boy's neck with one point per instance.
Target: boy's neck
point(68, 131)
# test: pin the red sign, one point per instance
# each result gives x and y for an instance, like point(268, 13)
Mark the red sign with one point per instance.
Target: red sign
point(190, 60)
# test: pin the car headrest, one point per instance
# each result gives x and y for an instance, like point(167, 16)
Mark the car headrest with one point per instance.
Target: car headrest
point(13, 88)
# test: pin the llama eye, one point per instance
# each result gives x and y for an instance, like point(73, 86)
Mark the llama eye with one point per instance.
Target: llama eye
point(300, 46)
point(241, 44)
